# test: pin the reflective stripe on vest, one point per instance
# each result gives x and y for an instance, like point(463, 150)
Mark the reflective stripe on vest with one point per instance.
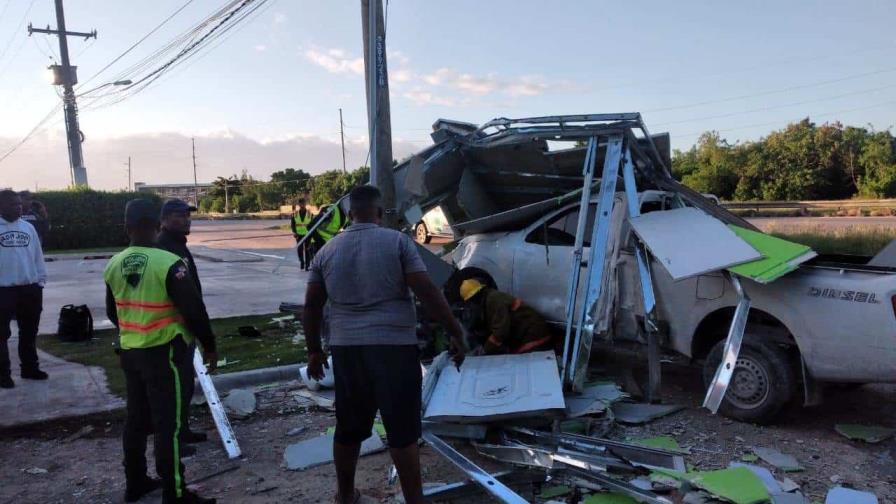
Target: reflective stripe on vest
point(302, 224)
point(334, 223)
point(146, 315)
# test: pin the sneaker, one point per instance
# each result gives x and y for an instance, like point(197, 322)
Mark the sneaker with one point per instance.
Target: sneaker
point(34, 374)
point(6, 382)
point(133, 493)
point(191, 498)
point(193, 437)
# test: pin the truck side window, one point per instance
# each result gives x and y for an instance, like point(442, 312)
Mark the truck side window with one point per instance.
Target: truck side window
point(561, 230)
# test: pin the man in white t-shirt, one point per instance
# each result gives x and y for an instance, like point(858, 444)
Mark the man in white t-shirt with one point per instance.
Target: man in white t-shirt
point(22, 278)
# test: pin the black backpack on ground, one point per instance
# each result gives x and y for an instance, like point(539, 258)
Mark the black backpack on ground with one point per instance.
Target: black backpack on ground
point(75, 323)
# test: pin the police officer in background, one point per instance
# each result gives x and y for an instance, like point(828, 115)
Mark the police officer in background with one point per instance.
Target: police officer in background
point(301, 221)
point(153, 301)
point(176, 223)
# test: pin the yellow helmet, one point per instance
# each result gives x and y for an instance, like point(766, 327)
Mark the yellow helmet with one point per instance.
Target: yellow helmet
point(469, 288)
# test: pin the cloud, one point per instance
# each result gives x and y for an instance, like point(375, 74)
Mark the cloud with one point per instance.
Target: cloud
point(261, 48)
point(335, 61)
point(163, 157)
point(421, 97)
point(280, 18)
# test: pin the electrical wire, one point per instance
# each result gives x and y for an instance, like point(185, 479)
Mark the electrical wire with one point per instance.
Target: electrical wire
point(16, 32)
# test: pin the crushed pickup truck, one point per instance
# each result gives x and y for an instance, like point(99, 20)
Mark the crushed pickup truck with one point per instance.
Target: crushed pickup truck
point(512, 191)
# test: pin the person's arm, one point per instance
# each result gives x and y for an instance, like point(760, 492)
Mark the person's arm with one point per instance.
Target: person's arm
point(292, 225)
point(188, 302)
point(497, 313)
point(111, 310)
point(312, 316)
point(437, 307)
point(38, 257)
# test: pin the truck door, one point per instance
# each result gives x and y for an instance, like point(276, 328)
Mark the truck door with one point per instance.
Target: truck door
point(543, 260)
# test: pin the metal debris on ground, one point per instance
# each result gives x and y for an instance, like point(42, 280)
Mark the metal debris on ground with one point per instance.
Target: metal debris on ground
point(662, 442)
point(593, 399)
point(240, 403)
point(324, 399)
point(866, 433)
point(783, 461)
point(35, 470)
point(842, 495)
point(319, 450)
point(641, 413)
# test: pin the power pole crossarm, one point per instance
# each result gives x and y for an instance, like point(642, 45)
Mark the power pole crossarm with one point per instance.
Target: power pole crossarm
point(67, 78)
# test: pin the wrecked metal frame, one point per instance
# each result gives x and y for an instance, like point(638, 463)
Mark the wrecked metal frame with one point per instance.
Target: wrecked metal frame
point(719, 385)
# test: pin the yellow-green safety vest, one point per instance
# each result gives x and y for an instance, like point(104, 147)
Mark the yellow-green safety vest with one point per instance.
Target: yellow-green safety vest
point(146, 315)
point(334, 223)
point(302, 224)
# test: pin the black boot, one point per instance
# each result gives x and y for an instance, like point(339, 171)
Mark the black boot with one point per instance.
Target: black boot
point(6, 382)
point(34, 374)
point(135, 492)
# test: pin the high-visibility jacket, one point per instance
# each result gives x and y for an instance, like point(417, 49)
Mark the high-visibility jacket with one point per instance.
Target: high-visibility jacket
point(301, 224)
point(147, 316)
point(334, 223)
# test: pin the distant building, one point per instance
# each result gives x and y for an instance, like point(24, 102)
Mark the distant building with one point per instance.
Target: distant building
point(187, 192)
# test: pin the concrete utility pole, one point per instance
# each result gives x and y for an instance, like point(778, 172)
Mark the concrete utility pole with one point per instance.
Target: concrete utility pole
point(195, 183)
point(66, 75)
point(342, 138)
point(129, 174)
point(378, 111)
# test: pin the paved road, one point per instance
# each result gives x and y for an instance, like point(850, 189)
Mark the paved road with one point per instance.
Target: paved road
point(252, 235)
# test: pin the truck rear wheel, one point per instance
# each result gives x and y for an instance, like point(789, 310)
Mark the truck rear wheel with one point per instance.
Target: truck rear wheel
point(422, 234)
point(762, 384)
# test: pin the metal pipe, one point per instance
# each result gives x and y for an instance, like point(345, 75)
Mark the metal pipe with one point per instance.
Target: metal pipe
point(719, 385)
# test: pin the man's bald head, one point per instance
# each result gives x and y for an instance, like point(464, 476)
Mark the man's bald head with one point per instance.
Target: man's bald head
point(366, 204)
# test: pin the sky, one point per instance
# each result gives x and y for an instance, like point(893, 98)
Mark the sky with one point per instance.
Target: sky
point(268, 96)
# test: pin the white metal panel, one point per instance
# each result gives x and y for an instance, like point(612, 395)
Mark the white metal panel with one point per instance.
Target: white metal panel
point(688, 242)
point(494, 387)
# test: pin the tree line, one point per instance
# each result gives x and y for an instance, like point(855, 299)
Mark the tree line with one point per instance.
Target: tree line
point(802, 161)
point(244, 193)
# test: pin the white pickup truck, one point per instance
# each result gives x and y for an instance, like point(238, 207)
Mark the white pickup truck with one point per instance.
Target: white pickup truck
point(831, 321)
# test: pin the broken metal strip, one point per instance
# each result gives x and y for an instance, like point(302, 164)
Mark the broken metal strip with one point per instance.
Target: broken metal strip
point(228, 438)
point(596, 262)
point(647, 294)
point(477, 474)
point(719, 385)
point(598, 482)
point(635, 454)
point(475, 432)
point(576, 268)
point(311, 231)
point(462, 489)
point(517, 454)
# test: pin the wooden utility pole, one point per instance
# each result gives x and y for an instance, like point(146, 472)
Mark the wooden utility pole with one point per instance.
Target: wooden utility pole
point(66, 76)
point(195, 183)
point(378, 111)
point(342, 138)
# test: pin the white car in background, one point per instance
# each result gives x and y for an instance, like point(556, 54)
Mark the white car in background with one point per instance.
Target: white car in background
point(433, 224)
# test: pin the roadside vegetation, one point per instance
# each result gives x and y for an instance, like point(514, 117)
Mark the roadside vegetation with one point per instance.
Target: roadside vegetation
point(275, 347)
point(863, 240)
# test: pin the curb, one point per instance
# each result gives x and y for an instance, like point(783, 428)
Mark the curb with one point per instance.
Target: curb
point(252, 377)
point(66, 257)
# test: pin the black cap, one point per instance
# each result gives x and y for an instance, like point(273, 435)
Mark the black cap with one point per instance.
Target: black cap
point(140, 211)
point(176, 205)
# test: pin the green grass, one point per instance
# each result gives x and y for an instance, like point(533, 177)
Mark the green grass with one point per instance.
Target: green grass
point(273, 348)
point(863, 240)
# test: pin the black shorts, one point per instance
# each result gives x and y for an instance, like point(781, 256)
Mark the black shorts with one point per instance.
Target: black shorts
point(377, 377)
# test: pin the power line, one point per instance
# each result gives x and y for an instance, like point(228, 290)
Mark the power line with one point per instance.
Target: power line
point(16, 32)
point(773, 91)
point(775, 107)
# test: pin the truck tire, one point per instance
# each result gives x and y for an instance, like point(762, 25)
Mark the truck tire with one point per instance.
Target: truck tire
point(763, 382)
point(422, 234)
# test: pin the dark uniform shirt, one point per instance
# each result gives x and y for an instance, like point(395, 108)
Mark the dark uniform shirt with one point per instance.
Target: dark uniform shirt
point(177, 245)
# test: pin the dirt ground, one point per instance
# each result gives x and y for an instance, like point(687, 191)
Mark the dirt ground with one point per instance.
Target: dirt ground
point(89, 469)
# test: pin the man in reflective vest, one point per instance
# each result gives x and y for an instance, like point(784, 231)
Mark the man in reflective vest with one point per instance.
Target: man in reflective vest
point(512, 327)
point(301, 221)
point(153, 301)
point(333, 223)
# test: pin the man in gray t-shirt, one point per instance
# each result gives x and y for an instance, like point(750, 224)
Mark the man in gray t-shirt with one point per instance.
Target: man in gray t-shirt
point(367, 274)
